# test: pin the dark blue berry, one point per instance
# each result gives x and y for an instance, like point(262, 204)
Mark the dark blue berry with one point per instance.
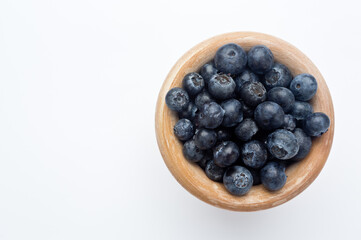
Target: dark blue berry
point(183, 129)
point(207, 71)
point(260, 59)
point(304, 142)
point(208, 156)
point(238, 180)
point(247, 110)
point(245, 76)
point(316, 124)
point(192, 152)
point(256, 176)
point(269, 115)
point(203, 98)
point(282, 96)
point(214, 172)
point(210, 115)
point(282, 144)
point(246, 129)
point(205, 138)
point(189, 112)
point(193, 83)
point(273, 176)
point(177, 99)
point(289, 123)
point(221, 86)
point(223, 135)
point(304, 87)
point(230, 58)
point(226, 153)
point(300, 110)
point(254, 154)
point(253, 93)
point(232, 112)
point(278, 76)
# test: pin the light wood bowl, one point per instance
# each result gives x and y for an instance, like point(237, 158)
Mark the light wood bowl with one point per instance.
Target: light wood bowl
point(192, 177)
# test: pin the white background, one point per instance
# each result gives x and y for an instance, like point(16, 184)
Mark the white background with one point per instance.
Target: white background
point(78, 87)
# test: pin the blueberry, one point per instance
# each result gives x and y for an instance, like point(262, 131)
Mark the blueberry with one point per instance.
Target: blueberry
point(193, 83)
point(316, 124)
point(221, 86)
point(282, 144)
point(205, 138)
point(207, 71)
point(246, 129)
point(210, 116)
point(232, 112)
point(177, 99)
point(226, 153)
point(289, 123)
point(183, 129)
point(304, 142)
point(238, 180)
point(189, 112)
point(253, 93)
point(254, 154)
point(269, 115)
point(230, 58)
point(203, 98)
point(214, 172)
point(208, 156)
point(278, 76)
point(273, 176)
point(260, 59)
point(256, 176)
point(282, 96)
point(304, 87)
point(247, 110)
point(192, 152)
point(245, 76)
point(223, 135)
point(300, 110)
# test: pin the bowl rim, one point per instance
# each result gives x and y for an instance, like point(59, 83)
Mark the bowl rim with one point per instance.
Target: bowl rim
point(186, 172)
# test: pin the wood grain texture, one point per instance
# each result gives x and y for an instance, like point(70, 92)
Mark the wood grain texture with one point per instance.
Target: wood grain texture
point(192, 177)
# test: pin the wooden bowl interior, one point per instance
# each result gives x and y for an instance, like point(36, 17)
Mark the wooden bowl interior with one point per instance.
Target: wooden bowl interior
point(192, 177)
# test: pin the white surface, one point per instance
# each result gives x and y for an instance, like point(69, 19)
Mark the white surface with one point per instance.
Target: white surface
point(78, 87)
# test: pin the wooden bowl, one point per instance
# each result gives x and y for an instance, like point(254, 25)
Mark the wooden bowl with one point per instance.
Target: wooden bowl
point(192, 177)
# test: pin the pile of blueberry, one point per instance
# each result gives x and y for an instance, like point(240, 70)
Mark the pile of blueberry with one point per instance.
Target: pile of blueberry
point(244, 118)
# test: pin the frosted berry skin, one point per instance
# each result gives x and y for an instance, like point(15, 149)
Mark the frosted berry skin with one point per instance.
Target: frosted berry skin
point(232, 112)
point(269, 115)
point(210, 116)
point(300, 110)
point(221, 86)
point(253, 93)
point(230, 59)
point(214, 172)
point(273, 176)
point(304, 87)
point(203, 98)
point(238, 180)
point(254, 154)
point(177, 99)
point(246, 129)
point(184, 129)
point(193, 83)
point(289, 123)
point(226, 153)
point(260, 59)
point(283, 97)
point(189, 112)
point(282, 144)
point(316, 124)
point(278, 76)
point(304, 142)
point(245, 76)
point(207, 71)
point(205, 138)
point(223, 134)
point(191, 152)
